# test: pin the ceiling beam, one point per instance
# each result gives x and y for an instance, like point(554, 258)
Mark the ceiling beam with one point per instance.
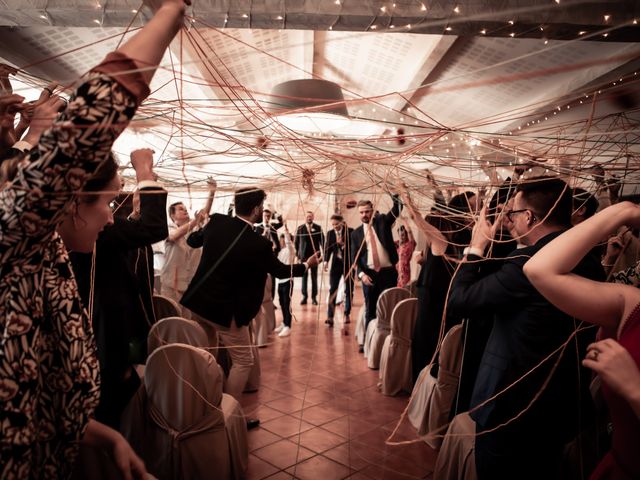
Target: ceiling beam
point(560, 21)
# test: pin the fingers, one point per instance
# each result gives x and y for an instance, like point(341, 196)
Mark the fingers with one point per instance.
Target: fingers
point(138, 468)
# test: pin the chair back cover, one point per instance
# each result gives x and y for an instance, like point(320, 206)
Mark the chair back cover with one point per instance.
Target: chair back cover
point(176, 330)
point(395, 360)
point(384, 308)
point(456, 460)
point(360, 321)
point(432, 399)
point(165, 307)
point(185, 435)
point(265, 320)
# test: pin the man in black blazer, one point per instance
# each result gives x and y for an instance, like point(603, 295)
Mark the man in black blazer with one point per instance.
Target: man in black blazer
point(269, 229)
point(338, 249)
point(228, 286)
point(374, 252)
point(309, 241)
point(122, 307)
point(527, 425)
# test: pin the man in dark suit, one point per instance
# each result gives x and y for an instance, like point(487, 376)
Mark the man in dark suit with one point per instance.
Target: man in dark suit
point(338, 249)
point(309, 241)
point(269, 229)
point(228, 286)
point(122, 308)
point(523, 430)
point(374, 252)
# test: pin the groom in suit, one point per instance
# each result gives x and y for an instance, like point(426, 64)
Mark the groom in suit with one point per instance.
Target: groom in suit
point(530, 395)
point(374, 252)
point(228, 286)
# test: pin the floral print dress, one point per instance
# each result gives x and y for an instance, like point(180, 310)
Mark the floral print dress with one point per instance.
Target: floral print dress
point(49, 375)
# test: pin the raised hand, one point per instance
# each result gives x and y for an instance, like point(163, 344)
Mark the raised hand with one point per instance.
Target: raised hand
point(142, 163)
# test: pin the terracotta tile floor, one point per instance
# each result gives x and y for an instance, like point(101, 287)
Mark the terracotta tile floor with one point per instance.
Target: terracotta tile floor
point(322, 416)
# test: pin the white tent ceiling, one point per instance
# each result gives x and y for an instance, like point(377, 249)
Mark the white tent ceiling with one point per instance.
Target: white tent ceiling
point(500, 82)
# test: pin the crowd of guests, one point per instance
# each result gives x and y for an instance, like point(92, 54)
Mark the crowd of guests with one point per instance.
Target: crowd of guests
point(524, 274)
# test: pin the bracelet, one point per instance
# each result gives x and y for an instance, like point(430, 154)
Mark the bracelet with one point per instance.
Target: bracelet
point(607, 264)
point(472, 251)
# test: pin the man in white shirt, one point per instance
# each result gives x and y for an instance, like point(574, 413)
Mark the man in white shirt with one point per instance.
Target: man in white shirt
point(374, 252)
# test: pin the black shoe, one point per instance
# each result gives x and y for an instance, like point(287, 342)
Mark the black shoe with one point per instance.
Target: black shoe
point(314, 301)
point(360, 348)
point(347, 319)
point(252, 423)
point(303, 301)
point(329, 321)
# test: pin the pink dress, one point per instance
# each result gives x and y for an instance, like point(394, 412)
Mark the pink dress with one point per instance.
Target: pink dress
point(623, 460)
point(405, 251)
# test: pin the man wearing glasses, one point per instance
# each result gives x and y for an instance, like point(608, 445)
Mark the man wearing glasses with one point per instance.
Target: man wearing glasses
point(537, 384)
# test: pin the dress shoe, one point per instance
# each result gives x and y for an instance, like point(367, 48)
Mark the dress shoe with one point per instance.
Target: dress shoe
point(314, 301)
point(329, 321)
point(252, 423)
point(303, 301)
point(360, 348)
point(347, 319)
point(279, 328)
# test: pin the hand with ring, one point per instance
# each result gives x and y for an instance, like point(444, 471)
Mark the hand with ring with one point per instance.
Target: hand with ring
point(615, 365)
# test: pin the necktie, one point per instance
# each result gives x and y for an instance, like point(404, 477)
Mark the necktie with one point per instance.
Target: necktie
point(374, 248)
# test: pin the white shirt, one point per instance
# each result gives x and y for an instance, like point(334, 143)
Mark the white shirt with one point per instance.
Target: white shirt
point(383, 256)
point(180, 262)
point(287, 256)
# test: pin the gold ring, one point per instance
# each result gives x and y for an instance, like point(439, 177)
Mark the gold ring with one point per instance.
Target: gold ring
point(594, 355)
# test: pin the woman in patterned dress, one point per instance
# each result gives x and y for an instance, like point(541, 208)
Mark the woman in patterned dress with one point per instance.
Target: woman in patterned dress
point(49, 380)
point(616, 308)
point(405, 246)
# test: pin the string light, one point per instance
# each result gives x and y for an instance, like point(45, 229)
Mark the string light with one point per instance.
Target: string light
point(483, 31)
point(423, 7)
point(456, 9)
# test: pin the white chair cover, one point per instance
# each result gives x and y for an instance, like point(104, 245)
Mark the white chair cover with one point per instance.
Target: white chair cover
point(177, 421)
point(265, 320)
point(360, 321)
point(253, 382)
point(375, 337)
point(176, 330)
point(395, 360)
point(165, 307)
point(368, 338)
point(432, 399)
point(456, 459)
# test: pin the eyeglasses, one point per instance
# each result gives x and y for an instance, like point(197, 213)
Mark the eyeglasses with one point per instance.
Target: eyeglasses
point(513, 212)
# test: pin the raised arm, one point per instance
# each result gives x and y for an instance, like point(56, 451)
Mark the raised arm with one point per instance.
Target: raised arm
point(392, 215)
point(81, 138)
point(549, 270)
point(213, 185)
point(151, 224)
point(435, 239)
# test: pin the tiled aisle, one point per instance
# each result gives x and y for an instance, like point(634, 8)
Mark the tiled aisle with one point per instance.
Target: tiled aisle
point(322, 416)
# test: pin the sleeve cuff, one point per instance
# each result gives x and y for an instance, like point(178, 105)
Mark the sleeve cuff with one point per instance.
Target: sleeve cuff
point(124, 71)
point(22, 146)
point(473, 251)
point(360, 275)
point(148, 183)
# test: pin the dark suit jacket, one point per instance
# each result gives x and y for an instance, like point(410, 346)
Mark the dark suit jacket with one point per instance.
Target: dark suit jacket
point(273, 234)
point(308, 243)
point(333, 250)
point(382, 225)
point(122, 304)
point(229, 282)
point(526, 329)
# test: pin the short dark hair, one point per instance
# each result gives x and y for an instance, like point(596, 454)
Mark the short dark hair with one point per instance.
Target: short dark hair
point(549, 198)
point(365, 203)
point(266, 210)
point(582, 198)
point(248, 198)
point(337, 217)
point(172, 208)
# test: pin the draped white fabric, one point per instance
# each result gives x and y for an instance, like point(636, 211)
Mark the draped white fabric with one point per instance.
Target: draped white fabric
point(432, 399)
point(164, 307)
point(375, 336)
point(395, 360)
point(456, 460)
point(265, 320)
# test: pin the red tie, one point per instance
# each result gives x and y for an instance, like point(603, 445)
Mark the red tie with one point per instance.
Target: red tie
point(374, 248)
